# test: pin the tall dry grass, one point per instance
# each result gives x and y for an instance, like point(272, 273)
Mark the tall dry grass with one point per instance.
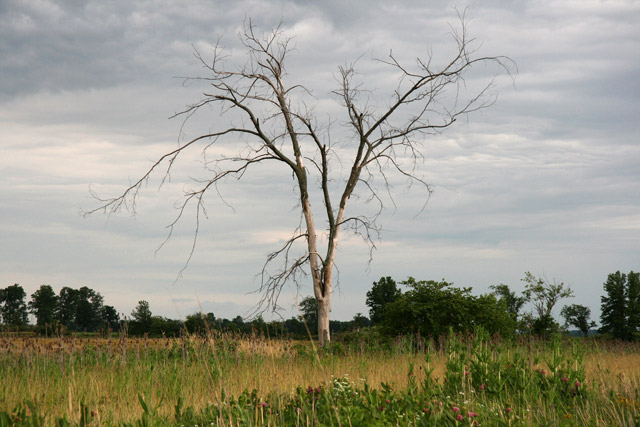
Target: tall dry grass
point(108, 375)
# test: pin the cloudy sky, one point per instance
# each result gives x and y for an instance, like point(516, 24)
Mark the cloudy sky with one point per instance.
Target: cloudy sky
point(547, 180)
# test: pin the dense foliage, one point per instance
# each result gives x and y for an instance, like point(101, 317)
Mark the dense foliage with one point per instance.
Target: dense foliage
point(433, 308)
point(621, 306)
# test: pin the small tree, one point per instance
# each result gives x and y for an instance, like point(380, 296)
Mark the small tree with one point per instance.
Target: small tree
point(89, 309)
point(43, 305)
point(267, 120)
point(110, 317)
point(544, 296)
point(633, 304)
point(199, 322)
point(309, 312)
point(142, 318)
point(432, 308)
point(613, 318)
point(12, 306)
point(620, 315)
point(383, 292)
point(578, 316)
point(513, 302)
point(67, 307)
point(360, 321)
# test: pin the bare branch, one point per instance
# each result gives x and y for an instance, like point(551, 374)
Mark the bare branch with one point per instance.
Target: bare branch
point(267, 119)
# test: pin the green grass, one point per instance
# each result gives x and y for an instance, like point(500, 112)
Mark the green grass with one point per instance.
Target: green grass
point(227, 380)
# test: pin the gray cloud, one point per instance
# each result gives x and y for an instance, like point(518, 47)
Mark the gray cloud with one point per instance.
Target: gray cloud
point(546, 180)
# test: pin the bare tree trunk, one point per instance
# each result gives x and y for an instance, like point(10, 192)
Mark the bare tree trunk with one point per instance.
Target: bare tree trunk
point(324, 307)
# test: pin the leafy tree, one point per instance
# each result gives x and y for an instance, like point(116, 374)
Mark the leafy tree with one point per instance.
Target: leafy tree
point(43, 305)
point(161, 326)
point(513, 302)
point(89, 309)
point(613, 319)
point(360, 321)
point(141, 318)
point(633, 304)
point(309, 310)
point(199, 322)
point(236, 324)
point(431, 308)
point(274, 119)
point(544, 296)
point(578, 316)
point(67, 307)
point(12, 306)
point(383, 292)
point(110, 317)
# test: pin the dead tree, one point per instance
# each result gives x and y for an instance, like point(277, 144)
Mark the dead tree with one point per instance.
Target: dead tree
point(262, 114)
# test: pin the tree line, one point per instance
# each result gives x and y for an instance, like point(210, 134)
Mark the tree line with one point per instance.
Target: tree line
point(76, 309)
point(83, 310)
point(432, 308)
point(427, 307)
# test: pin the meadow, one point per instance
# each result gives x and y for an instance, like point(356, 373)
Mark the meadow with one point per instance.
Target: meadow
point(229, 380)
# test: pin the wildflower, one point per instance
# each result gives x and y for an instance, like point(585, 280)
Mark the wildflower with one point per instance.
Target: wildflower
point(543, 372)
point(264, 404)
point(466, 373)
point(578, 384)
point(456, 409)
point(440, 404)
point(472, 414)
point(564, 379)
point(459, 417)
point(482, 386)
point(380, 408)
point(387, 401)
point(507, 410)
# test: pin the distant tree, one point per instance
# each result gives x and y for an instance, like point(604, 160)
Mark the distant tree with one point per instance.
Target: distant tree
point(141, 319)
point(161, 326)
point(492, 315)
point(383, 292)
point(67, 307)
point(89, 309)
point(544, 296)
point(295, 326)
point(360, 321)
point(237, 324)
point(613, 319)
point(513, 302)
point(633, 304)
point(110, 317)
point(309, 310)
point(578, 316)
point(142, 312)
point(431, 308)
point(43, 305)
point(199, 322)
point(12, 306)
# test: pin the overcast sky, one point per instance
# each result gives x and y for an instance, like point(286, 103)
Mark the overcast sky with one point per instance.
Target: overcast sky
point(547, 180)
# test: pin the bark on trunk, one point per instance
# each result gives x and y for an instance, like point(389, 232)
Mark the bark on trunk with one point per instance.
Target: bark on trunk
point(324, 307)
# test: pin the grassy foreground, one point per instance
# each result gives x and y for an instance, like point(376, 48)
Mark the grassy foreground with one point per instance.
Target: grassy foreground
point(226, 380)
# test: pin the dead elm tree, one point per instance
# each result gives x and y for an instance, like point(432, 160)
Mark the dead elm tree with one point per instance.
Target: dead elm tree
point(269, 119)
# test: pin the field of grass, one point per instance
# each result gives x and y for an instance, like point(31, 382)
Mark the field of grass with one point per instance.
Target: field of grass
point(228, 380)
